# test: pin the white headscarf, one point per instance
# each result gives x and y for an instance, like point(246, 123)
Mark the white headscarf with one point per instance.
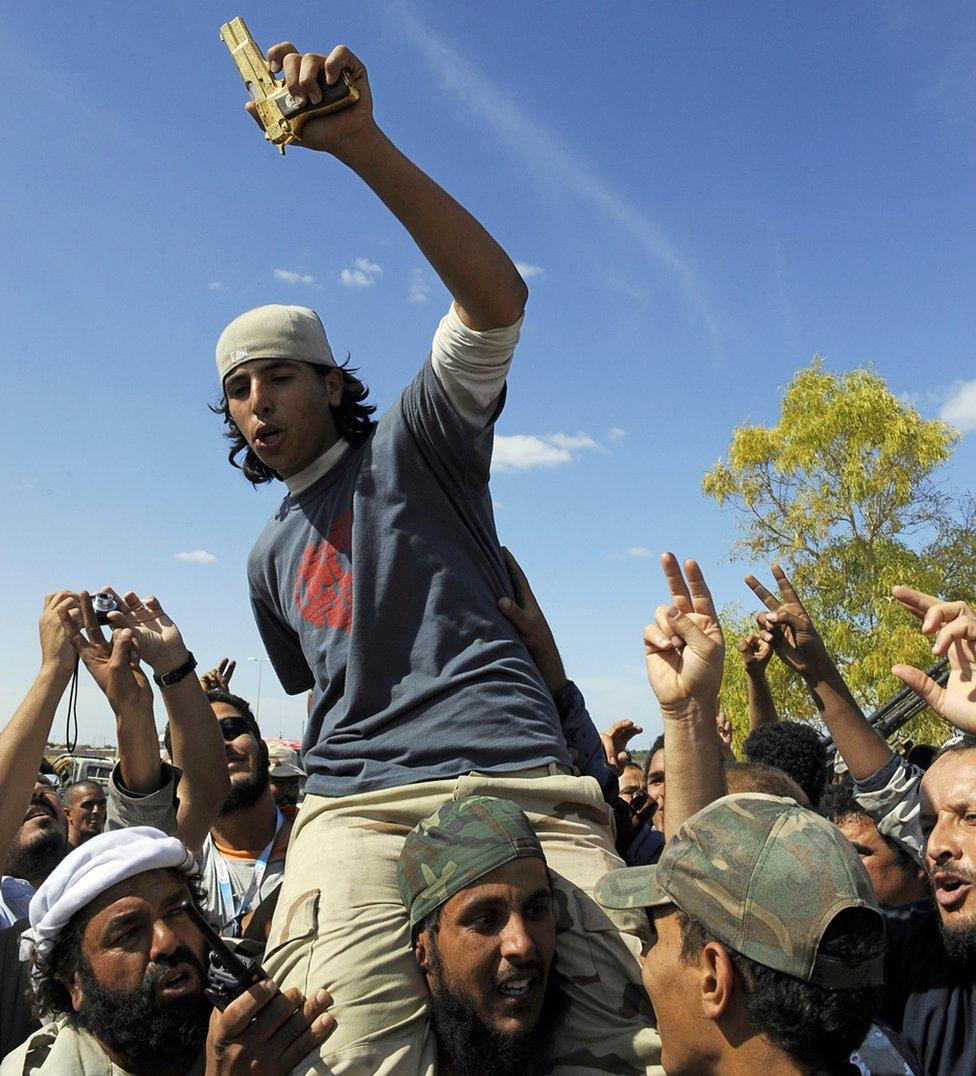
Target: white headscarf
point(89, 870)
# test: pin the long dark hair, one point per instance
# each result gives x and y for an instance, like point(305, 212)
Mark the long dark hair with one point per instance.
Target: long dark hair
point(351, 415)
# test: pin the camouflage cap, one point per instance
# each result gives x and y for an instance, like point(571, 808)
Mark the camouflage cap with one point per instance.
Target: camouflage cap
point(458, 844)
point(766, 877)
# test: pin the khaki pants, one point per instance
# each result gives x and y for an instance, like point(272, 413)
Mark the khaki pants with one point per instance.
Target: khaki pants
point(340, 923)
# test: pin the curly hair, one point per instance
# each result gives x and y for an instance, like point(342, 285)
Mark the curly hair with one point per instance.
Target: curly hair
point(351, 415)
point(794, 748)
point(818, 1026)
point(50, 997)
point(758, 777)
point(838, 803)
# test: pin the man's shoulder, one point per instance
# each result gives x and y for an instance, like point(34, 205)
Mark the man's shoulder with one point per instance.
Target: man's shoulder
point(57, 1049)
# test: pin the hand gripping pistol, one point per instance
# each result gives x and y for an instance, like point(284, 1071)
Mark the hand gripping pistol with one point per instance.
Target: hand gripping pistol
point(280, 114)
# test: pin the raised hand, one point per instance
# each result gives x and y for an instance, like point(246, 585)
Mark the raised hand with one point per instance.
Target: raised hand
point(159, 640)
point(113, 663)
point(684, 647)
point(218, 679)
point(530, 622)
point(756, 650)
point(789, 628)
point(615, 741)
point(56, 649)
point(301, 72)
point(954, 626)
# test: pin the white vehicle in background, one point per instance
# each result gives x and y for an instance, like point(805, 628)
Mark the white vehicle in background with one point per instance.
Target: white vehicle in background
point(73, 768)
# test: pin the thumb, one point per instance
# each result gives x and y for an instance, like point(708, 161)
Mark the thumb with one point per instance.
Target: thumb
point(683, 626)
point(923, 686)
point(121, 642)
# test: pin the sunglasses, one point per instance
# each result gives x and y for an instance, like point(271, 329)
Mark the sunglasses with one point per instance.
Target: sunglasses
point(232, 727)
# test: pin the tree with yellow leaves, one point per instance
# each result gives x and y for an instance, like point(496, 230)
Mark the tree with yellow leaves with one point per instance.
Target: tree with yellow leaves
point(844, 491)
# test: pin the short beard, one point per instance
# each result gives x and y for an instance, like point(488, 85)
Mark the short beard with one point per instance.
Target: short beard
point(477, 1049)
point(959, 942)
point(135, 1025)
point(35, 859)
point(248, 789)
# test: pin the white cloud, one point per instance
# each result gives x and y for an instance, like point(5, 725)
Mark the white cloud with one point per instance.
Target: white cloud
point(217, 285)
point(197, 556)
point(364, 274)
point(524, 452)
point(290, 277)
point(419, 290)
point(959, 409)
point(529, 272)
point(354, 278)
point(635, 551)
point(615, 433)
point(575, 442)
point(551, 162)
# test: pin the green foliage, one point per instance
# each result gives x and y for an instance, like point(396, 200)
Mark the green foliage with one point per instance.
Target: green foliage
point(842, 492)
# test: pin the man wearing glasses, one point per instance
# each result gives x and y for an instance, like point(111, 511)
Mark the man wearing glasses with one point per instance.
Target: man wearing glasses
point(243, 858)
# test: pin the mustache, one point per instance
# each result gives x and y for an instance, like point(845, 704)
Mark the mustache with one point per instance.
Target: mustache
point(532, 968)
point(39, 800)
point(954, 872)
point(166, 962)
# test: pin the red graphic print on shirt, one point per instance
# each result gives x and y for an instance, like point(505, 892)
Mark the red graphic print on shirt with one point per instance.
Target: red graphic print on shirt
point(323, 585)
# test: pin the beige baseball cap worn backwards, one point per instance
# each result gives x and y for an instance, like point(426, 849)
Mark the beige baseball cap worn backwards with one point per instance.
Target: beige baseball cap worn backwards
point(276, 332)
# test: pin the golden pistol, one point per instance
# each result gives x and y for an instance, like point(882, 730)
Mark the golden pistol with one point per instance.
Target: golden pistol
point(280, 114)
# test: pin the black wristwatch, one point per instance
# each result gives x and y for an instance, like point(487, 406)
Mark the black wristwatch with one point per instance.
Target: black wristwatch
point(174, 677)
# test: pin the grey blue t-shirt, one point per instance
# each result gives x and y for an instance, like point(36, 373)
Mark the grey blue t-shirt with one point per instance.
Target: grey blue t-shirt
point(377, 586)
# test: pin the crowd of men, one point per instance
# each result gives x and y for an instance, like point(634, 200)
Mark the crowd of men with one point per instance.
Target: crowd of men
point(476, 882)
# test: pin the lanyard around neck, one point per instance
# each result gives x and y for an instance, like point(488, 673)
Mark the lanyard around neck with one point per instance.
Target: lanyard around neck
point(231, 910)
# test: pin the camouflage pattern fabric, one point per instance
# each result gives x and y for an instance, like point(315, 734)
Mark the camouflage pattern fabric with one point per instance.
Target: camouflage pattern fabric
point(341, 921)
point(766, 877)
point(458, 844)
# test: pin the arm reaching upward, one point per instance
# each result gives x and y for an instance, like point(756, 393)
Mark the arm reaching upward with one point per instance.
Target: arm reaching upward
point(790, 628)
point(23, 739)
point(488, 291)
point(756, 651)
point(198, 746)
point(114, 666)
point(684, 650)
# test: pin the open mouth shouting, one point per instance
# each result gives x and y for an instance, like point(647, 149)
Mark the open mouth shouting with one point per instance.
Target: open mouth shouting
point(267, 437)
point(178, 982)
point(520, 988)
point(950, 889)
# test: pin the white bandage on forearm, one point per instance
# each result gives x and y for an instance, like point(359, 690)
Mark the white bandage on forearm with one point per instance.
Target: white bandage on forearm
point(472, 365)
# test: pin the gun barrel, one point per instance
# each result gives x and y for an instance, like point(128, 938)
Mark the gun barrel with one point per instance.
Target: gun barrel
point(250, 60)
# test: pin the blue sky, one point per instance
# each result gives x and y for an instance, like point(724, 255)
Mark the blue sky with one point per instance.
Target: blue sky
point(701, 197)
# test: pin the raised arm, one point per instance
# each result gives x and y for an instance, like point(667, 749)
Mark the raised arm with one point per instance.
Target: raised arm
point(25, 736)
point(790, 629)
point(198, 747)
point(756, 653)
point(488, 291)
point(684, 650)
point(114, 666)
